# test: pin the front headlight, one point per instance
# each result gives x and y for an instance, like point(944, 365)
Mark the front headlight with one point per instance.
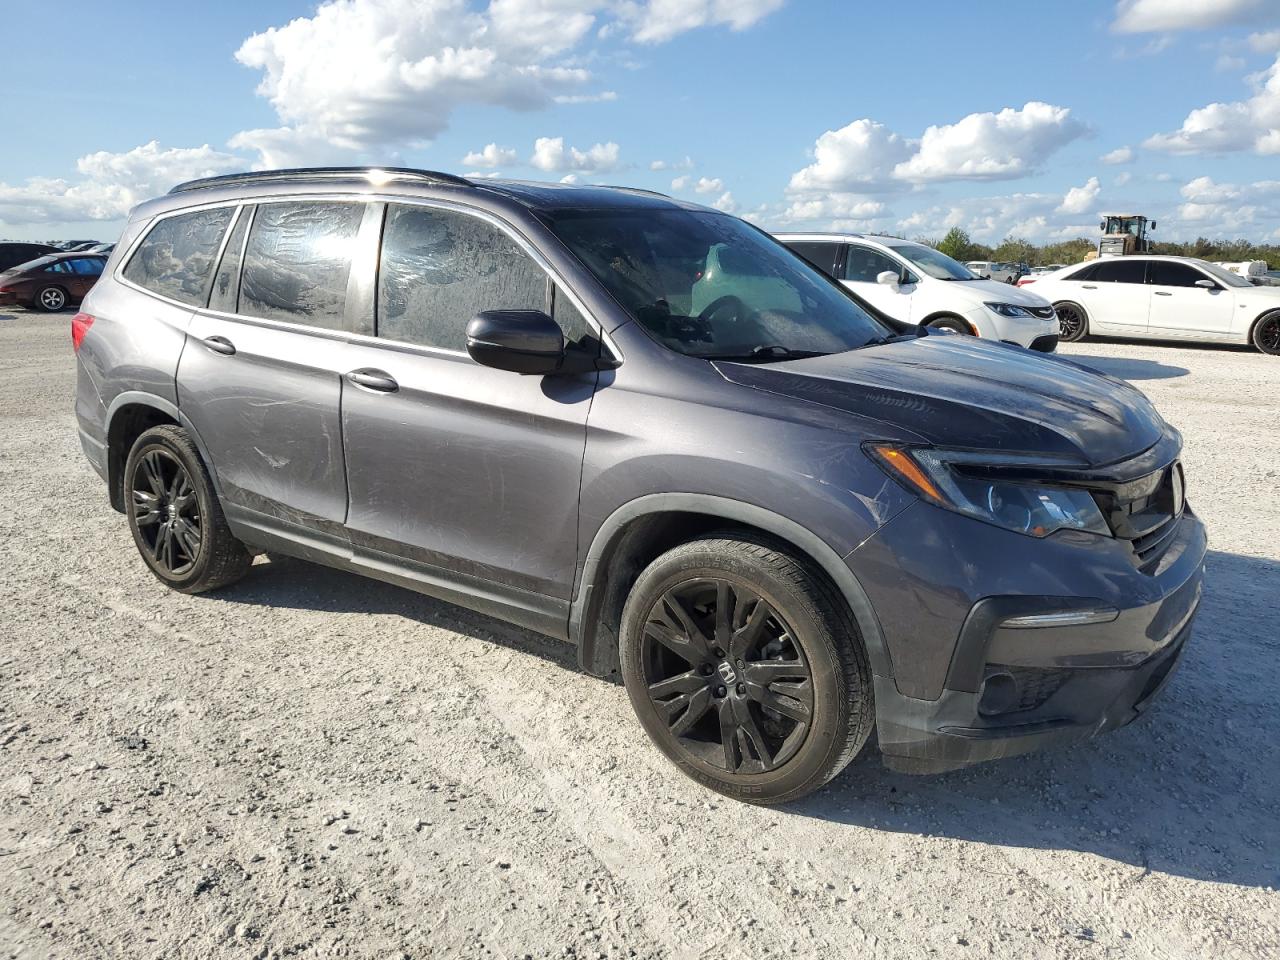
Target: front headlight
point(1035, 509)
point(1010, 310)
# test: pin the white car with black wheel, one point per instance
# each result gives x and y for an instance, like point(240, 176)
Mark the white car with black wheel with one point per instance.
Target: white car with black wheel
point(917, 284)
point(1162, 298)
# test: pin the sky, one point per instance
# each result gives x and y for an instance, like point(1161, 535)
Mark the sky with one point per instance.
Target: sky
point(1022, 119)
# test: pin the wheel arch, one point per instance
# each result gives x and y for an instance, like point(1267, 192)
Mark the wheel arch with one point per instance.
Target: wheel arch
point(639, 531)
point(129, 415)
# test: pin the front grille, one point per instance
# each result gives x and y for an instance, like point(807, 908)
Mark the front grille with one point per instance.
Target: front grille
point(1044, 313)
point(1046, 344)
point(1145, 512)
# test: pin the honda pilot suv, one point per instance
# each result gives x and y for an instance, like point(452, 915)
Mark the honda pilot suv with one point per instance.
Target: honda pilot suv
point(651, 430)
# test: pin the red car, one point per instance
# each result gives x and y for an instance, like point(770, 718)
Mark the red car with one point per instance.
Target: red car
point(51, 283)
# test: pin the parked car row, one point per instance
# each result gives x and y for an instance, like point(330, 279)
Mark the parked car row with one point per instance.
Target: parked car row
point(645, 427)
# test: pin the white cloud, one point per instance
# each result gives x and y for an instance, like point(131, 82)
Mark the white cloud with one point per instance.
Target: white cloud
point(708, 185)
point(1226, 63)
point(843, 207)
point(1081, 199)
point(359, 76)
point(725, 203)
point(1268, 42)
point(660, 20)
point(569, 178)
point(1118, 155)
point(685, 164)
point(679, 183)
point(551, 155)
point(991, 146)
point(1251, 124)
point(1122, 178)
point(110, 184)
point(491, 156)
point(1148, 16)
point(858, 157)
point(1228, 209)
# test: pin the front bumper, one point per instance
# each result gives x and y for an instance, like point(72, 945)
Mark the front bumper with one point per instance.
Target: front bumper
point(1002, 691)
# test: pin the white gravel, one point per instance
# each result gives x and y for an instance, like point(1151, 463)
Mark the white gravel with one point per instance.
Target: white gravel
point(315, 765)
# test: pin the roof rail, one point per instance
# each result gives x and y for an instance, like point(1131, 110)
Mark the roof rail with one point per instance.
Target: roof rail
point(652, 193)
point(321, 173)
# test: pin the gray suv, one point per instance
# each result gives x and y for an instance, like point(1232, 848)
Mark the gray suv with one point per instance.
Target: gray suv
point(649, 429)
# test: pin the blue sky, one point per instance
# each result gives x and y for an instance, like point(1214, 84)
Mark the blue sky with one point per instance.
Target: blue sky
point(798, 113)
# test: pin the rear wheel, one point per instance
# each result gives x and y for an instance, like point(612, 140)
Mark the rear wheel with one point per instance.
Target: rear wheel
point(175, 517)
point(1073, 322)
point(50, 299)
point(746, 669)
point(1266, 334)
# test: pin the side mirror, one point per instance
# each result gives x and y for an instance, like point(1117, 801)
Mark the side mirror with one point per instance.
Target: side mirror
point(1153, 224)
point(887, 277)
point(1207, 284)
point(522, 341)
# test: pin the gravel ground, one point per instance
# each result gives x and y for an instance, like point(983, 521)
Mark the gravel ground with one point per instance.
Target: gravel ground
point(311, 764)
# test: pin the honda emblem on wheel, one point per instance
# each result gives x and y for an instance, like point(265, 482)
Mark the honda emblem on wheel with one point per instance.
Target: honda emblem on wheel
point(726, 672)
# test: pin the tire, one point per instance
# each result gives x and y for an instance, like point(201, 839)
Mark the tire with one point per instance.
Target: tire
point(50, 299)
point(951, 323)
point(1073, 321)
point(1266, 333)
point(789, 681)
point(175, 517)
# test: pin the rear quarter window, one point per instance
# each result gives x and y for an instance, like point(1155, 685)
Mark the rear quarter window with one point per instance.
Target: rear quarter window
point(176, 258)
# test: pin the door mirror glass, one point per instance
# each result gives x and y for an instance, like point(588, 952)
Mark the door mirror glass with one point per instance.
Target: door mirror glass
point(522, 341)
point(888, 277)
point(1207, 284)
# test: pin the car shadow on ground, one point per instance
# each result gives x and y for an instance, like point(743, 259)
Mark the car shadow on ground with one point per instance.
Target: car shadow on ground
point(1173, 344)
point(1188, 789)
point(1185, 790)
point(1127, 368)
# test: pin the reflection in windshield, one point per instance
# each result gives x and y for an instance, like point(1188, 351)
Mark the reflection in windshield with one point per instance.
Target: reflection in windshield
point(1225, 277)
point(933, 262)
point(710, 285)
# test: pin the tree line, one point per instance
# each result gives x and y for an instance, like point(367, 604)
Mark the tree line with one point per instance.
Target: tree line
point(958, 245)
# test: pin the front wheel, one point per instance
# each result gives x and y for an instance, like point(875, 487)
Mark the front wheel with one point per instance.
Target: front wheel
point(746, 669)
point(1073, 322)
point(952, 323)
point(175, 517)
point(1266, 334)
point(51, 299)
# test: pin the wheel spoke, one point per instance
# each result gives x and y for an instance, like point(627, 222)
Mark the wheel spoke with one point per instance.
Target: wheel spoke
point(748, 633)
point(153, 473)
point(788, 699)
point(726, 603)
point(745, 747)
point(681, 683)
point(674, 629)
point(697, 706)
point(766, 672)
point(188, 537)
point(146, 508)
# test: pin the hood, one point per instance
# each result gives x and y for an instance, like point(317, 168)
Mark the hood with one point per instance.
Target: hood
point(982, 291)
point(958, 391)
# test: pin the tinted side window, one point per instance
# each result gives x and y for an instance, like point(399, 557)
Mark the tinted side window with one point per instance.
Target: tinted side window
point(58, 266)
point(1120, 270)
point(226, 282)
point(297, 262)
point(440, 268)
point(86, 266)
point(864, 264)
point(1084, 273)
point(572, 323)
point(176, 258)
point(821, 255)
point(1168, 274)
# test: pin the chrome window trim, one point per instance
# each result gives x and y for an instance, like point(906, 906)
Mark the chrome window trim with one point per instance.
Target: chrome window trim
point(372, 197)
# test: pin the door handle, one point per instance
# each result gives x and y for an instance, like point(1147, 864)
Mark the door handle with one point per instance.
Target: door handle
point(220, 345)
point(1089, 286)
point(1162, 293)
point(371, 379)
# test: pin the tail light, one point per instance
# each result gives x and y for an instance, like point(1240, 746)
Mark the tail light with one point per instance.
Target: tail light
point(80, 325)
point(1024, 281)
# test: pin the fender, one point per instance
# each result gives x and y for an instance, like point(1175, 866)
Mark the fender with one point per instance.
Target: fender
point(138, 398)
point(583, 617)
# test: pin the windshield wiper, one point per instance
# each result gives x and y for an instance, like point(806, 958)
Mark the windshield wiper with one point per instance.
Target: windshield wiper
point(763, 354)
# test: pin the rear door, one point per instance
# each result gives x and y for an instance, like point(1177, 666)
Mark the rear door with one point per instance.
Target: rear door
point(260, 377)
point(862, 264)
point(1115, 294)
point(1180, 307)
point(465, 472)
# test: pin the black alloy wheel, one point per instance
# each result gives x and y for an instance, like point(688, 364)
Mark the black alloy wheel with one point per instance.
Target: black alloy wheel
point(174, 514)
point(725, 672)
point(1266, 334)
point(166, 512)
point(1072, 323)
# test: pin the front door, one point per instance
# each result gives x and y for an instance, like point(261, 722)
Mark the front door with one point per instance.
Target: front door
point(1179, 307)
point(863, 265)
point(1115, 294)
point(462, 472)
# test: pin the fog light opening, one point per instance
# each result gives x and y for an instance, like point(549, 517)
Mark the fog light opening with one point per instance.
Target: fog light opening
point(999, 694)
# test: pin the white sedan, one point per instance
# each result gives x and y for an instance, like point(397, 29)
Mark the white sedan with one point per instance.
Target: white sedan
point(1162, 298)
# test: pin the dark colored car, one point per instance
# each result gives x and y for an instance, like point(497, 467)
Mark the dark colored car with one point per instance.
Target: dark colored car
point(647, 428)
point(14, 253)
point(51, 282)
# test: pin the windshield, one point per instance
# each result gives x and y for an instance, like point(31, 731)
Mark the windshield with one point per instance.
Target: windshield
point(934, 263)
point(1223, 276)
point(710, 285)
